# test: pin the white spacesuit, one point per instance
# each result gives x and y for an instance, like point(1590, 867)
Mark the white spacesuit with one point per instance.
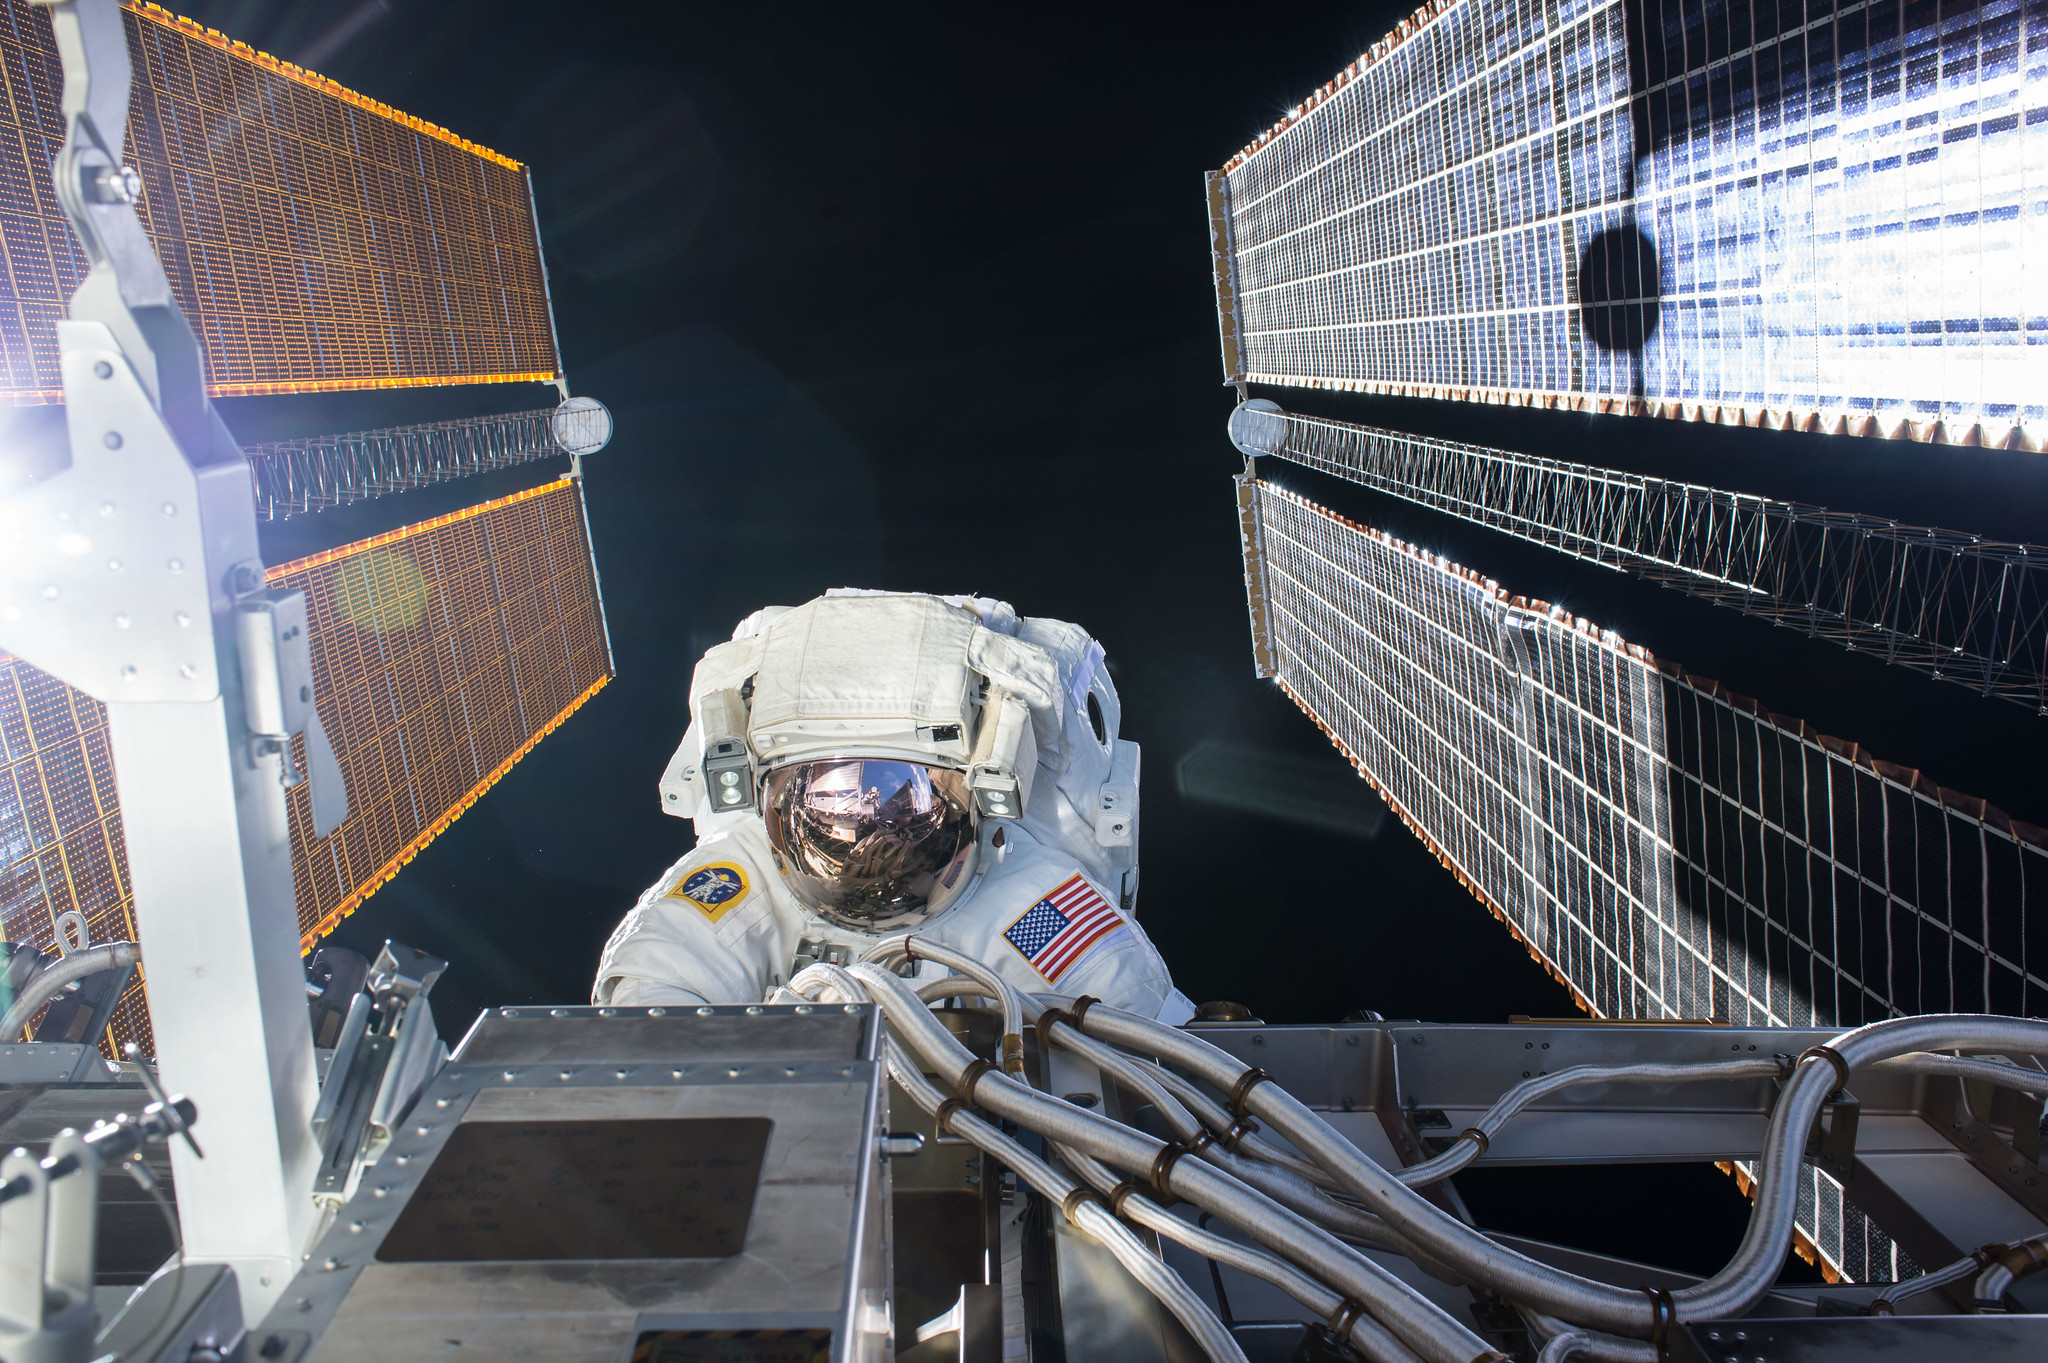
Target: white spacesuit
point(870, 764)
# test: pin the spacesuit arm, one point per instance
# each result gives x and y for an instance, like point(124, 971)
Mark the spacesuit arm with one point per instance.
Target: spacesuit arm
point(665, 953)
point(637, 991)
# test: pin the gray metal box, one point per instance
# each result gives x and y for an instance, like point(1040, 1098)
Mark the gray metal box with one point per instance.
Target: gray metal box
point(593, 1185)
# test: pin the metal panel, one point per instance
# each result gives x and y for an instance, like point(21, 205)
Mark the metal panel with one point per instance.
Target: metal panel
point(1817, 216)
point(1852, 1339)
point(812, 1257)
point(317, 239)
point(1938, 601)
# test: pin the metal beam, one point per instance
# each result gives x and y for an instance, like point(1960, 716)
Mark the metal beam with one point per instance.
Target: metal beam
point(126, 575)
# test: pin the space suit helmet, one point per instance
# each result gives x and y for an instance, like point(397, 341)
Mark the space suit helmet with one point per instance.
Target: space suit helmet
point(872, 844)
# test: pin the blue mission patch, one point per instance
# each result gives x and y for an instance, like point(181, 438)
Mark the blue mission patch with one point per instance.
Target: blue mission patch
point(713, 885)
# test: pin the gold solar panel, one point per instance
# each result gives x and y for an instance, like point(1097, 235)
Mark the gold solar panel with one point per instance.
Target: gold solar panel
point(60, 822)
point(442, 653)
point(316, 239)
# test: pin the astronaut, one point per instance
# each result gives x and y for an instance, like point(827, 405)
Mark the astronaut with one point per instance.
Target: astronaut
point(872, 764)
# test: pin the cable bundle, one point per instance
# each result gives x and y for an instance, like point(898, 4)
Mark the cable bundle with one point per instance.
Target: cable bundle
point(1308, 1213)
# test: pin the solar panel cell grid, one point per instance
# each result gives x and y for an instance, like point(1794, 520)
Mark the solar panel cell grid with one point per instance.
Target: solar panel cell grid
point(442, 653)
point(60, 819)
point(1665, 848)
point(1823, 215)
point(315, 239)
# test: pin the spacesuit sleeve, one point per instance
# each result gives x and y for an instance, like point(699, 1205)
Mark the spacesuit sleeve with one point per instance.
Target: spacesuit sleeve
point(1128, 974)
point(668, 949)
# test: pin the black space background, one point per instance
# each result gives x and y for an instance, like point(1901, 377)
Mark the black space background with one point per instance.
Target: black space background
point(920, 299)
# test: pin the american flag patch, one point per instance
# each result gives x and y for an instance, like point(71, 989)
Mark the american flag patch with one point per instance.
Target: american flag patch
point(1059, 929)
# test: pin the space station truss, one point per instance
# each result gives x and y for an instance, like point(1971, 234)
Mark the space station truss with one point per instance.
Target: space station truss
point(316, 239)
point(1667, 849)
point(294, 477)
point(1820, 217)
point(442, 653)
point(1952, 605)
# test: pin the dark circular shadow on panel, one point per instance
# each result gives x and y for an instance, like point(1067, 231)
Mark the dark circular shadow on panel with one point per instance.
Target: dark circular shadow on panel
point(1619, 288)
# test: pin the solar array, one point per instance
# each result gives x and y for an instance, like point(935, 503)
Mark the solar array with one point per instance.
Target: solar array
point(442, 653)
point(1941, 602)
point(316, 239)
point(1820, 214)
point(1665, 848)
point(61, 849)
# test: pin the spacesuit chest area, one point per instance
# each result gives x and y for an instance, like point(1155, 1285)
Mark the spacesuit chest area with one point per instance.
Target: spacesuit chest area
point(1040, 921)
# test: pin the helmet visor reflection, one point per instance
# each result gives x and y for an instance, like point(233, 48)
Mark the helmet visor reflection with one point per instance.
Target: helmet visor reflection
point(870, 844)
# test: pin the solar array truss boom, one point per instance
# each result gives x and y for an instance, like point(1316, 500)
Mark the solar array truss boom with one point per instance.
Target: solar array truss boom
point(1950, 604)
point(295, 477)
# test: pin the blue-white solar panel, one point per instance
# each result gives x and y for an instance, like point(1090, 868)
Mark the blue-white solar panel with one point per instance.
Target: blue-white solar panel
point(1821, 215)
point(1666, 848)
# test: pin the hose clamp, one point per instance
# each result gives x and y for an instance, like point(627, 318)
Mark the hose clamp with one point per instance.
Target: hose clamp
point(1081, 1007)
point(1478, 1138)
point(1241, 1090)
point(1072, 1206)
point(1169, 1155)
point(1833, 1057)
point(1122, 1193)
point(1344, 1317)
point(1048, 1018)
point(1663, 1314)
point(943, 1113)
point(971, 1076)
point(1242, 1127)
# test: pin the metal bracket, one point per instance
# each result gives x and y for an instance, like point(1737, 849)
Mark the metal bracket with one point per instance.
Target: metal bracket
point(127, 289)
point(2016, 1171)
point(343, 1112)
point(46, 1253)
point(379, 1066)
point(103, 567)
point(2026, 1127)
point(1835, 1151)
point(277, 695)
point(402, 973)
